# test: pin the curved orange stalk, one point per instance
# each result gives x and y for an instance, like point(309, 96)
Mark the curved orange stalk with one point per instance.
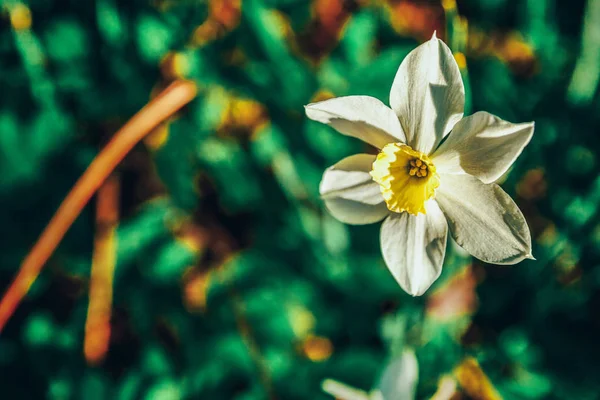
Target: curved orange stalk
point(178, 94)
point(97, 324)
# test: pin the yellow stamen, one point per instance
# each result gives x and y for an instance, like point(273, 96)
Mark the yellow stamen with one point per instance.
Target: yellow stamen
point(407, 178)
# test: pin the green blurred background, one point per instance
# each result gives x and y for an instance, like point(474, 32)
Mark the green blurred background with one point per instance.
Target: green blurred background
point(231, 280)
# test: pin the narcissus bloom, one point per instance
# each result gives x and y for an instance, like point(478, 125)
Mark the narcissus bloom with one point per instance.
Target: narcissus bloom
point(421, 184)
point(397, 382)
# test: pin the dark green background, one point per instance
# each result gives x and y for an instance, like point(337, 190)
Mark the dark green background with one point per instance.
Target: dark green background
point(280, 268)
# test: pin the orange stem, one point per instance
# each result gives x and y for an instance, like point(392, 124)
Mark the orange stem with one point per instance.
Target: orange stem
point(97, 324)
point(174, 97)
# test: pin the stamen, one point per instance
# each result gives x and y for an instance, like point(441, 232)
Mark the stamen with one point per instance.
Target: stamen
point(417, 168)
point(407, 178)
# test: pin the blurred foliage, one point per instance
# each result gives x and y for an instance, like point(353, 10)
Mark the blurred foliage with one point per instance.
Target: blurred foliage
point(231, 281)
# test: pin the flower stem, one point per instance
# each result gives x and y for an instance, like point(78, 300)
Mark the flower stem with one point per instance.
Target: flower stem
point(178, 94)
point(97, 324)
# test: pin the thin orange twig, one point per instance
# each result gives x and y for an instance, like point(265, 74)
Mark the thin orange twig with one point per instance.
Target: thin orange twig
point(174, 97)
point(97, 324)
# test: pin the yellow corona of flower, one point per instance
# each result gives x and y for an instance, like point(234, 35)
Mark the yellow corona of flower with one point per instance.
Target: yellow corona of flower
point(407, 178)
point(422, 186)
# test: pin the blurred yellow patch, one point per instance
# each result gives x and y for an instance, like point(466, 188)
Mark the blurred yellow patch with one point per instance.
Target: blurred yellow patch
point(317, 348)
point(243, 117)
point(474, 381)
point(186, 231)
point(208, 31)
point(158, 137)
point(417, 18)
point(449, 5)
point(514, 49)
point(192, 236)
point(301, 319)
point(510, 47)
point(223, 16)
point(282, 24)
point(20, 17)
point(195, 287)
point(322, 95)
point(174, 65)
point(461, 60)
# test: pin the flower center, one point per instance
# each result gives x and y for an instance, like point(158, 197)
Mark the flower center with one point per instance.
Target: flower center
point(407, 178)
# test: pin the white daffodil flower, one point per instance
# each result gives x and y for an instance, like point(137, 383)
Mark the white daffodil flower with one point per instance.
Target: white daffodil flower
point(397, 382)
point(421, 187)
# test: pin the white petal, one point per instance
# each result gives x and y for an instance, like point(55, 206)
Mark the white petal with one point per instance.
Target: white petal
point(428, 95)
point(484, 220)
point(363, 117)
point(342, 391)
point(349, 179)
point(399, 380)
point(414, 247)
point(355, 213)
point(349, 192)
point(482, 145)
